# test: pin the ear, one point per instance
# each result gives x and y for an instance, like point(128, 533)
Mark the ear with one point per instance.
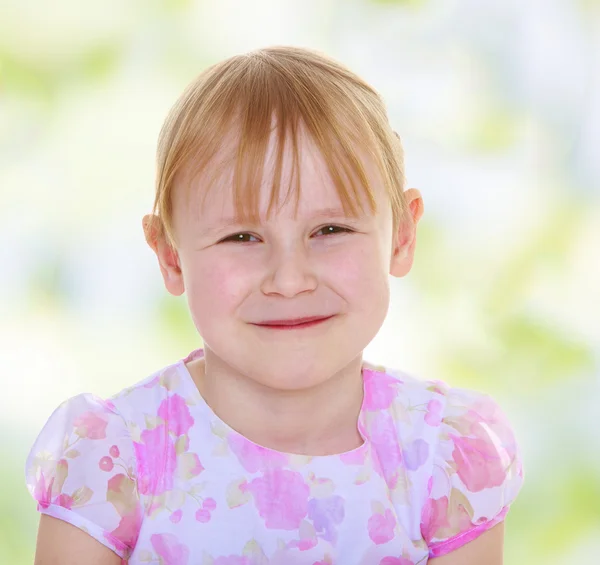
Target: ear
point(405, 238)
point(168, 259)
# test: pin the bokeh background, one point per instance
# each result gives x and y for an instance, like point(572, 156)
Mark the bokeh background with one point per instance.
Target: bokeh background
point(498, 106)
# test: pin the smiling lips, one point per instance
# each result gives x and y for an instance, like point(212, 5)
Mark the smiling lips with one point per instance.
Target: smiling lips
point(295, 324)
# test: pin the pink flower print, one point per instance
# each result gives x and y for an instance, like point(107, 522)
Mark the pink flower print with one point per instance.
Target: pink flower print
point(128, 530)
point(485, 414)
point(169, 549)
point(434, 413)
point(90, 425)
point(157, 461)
point(254, 457)
point(106, 464)
point(395, 561)
point(384, 439)
point(354, 457)
point(232, 560)
point(479, 464)
point(43, 491)
point(114, 451)
point(433, 517)
point(381, 527)
point(325, 514)
point(64, 500)
point(176, 414)
point(203, 515)
point(209, 504)
point(108, 405)
point(416, 454)
point(51, 486)
point(460, 519)
point(485, 409)
point(281, 497)
point(380, 390)
point(176, 516)
point(303, 544)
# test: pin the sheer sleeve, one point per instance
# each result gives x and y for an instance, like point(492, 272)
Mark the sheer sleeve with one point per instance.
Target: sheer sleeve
point(81, 469)
point(477, 472)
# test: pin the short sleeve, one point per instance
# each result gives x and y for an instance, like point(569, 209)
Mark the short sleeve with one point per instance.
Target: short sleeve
point(81, 469)
point(476, 474)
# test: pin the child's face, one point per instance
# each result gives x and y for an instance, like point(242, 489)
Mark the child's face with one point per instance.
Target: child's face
point(239, 276)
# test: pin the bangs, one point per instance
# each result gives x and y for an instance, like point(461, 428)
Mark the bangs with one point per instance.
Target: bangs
point(219, 133)
point(243, 165)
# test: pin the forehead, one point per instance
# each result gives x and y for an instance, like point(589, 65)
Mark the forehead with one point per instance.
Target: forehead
point(209, 196)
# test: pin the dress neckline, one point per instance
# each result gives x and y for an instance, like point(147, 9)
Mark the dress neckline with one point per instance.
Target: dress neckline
point(192, 389)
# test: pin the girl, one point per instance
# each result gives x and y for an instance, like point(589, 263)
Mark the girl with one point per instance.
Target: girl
point(280, 210)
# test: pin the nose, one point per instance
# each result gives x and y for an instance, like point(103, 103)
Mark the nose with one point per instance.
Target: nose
point(289, 274)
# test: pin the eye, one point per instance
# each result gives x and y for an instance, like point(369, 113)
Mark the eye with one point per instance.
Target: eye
point(330, 230)
point(239, 238)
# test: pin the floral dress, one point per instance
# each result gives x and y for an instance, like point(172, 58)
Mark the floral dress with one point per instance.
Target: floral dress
point(157, 477)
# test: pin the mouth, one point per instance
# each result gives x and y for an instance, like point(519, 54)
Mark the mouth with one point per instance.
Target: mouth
point(296, 324)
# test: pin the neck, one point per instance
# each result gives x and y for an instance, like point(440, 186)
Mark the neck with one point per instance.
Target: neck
point(321, 420)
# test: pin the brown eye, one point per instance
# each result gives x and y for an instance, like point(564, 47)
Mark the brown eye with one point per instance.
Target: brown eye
point(330, 230)
point(239, 238)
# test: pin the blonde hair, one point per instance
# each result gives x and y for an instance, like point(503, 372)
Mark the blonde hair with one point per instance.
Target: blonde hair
point(296, 87)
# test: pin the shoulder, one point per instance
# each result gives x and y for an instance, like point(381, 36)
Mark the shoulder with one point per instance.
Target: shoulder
point(83, 456)
point(410, 399)
point(143, 399)
point(447, 409)
point(461, 425)
point(86, 424)
point(94, 458)
point(459, 447)
point(476, 470)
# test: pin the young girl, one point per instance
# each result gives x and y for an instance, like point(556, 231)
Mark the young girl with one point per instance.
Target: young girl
point(280, 210)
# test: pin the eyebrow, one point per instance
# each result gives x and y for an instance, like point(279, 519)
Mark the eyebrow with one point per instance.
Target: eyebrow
point(232, 221)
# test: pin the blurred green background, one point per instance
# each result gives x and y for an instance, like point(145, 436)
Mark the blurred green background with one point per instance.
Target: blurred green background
point(498, 106)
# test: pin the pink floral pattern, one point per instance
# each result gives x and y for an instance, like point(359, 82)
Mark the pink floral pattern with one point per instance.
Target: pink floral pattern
point(155, 452)
point(90, 425)
point(434, 517)
point(176, 413)
point(381, 527)
point(254, 457)
point(154, 475)
point(434, 413)
point(169, 549)
point(281, 498)
point(478, 462)
point(395, 561)
point(380, 396)
point(384, 433)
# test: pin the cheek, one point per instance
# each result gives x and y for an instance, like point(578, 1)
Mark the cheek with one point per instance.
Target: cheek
point(214, 288)
point(360, 276)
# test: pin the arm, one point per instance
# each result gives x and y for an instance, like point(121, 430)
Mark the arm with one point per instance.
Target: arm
point(60, 543)
point(487, 549)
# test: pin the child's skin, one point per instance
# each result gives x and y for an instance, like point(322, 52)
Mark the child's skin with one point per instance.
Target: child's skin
point(297, 391)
